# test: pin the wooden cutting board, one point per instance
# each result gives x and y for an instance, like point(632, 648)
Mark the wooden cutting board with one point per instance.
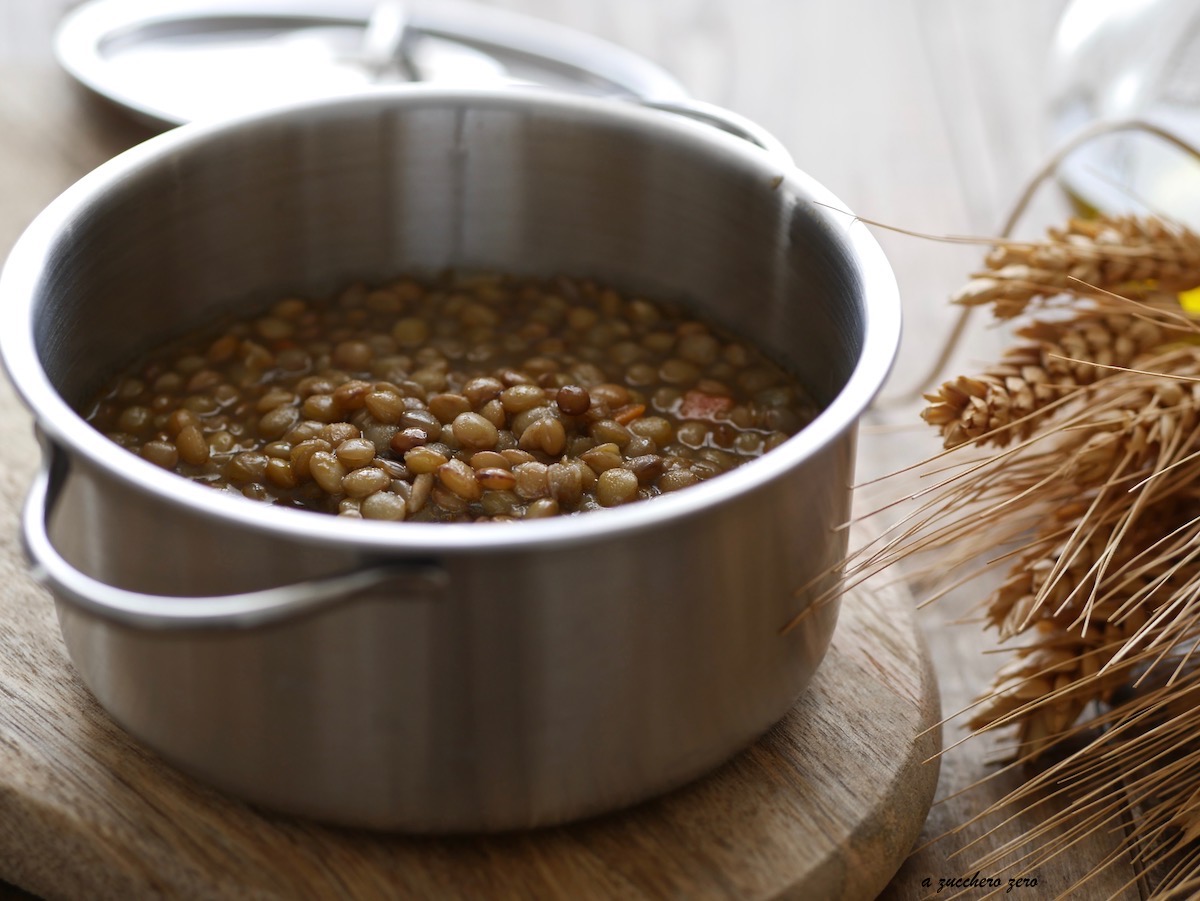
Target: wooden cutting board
point(827, 805)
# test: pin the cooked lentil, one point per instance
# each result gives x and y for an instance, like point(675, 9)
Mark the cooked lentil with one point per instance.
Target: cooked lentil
point(463, 399)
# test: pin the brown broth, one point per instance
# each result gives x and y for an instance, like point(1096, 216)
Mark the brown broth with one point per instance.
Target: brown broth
point(462, 399)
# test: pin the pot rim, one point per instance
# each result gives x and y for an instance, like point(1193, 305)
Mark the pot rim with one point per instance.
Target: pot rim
point(29, 257)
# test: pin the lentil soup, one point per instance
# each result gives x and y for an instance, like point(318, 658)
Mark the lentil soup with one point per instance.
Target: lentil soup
point(464, 398)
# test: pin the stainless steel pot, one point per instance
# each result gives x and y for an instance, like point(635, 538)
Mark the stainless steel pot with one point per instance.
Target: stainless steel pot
point(434, 677)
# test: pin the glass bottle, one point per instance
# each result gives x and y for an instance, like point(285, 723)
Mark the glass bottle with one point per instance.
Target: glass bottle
point(1116, 60)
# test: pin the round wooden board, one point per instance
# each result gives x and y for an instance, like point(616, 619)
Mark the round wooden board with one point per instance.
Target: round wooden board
point(827, 805)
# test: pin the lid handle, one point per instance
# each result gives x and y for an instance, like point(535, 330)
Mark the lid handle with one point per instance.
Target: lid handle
point(386, 42)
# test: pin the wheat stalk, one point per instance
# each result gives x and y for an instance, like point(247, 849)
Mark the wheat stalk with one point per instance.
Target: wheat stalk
point(1080, 449)
point(1126, 255)
point(1056, 360)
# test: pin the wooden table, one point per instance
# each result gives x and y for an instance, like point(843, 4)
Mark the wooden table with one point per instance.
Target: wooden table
point(928, 114)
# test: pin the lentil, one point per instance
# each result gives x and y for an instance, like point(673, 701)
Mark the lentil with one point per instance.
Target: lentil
point(489, 459)
point(385, 406)
point(493, 478)
point(608, 431)
point(256, 492)
point(327, 472)
point(678, 372)
point(281, 474)
point(521, 397)
point(411, 332)
point(573, 400)
point(192, 447)
point(447, 500)
point(547, 435)
point(611, 394)
point(616, 486)
point(278, 422)
point(602, 457)
point(351, 395)
point(424, 459)
point(532, 480)
point(134, 419)
point(565, 483)
point(203, 380)
point(446, 407)
point(181, 419)
point(646, 468)
point(161, 453)
point(545, 506)
point(460, 478)
point(365, 481)
point(499, 503)
point(474, 432)
point(676, 479)
point(383, 505)
point(301, 456)
point(221, 442)
point(657, 428)
point(481, 390)
point(422, 486)
point(699, 348)
point(493, 412)
point(337, 432)
point(321, 407)
point(692, 433)
point(464, 400)
point(354, 453)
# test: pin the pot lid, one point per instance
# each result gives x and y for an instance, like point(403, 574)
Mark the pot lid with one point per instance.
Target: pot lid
point(205, 59)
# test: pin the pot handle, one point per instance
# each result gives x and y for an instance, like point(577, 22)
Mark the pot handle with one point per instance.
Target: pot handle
point(234, 611)
point(726, 121)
